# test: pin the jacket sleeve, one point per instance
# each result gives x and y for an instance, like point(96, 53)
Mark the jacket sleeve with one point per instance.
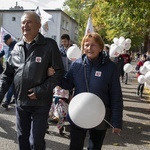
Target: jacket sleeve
point(55, 62)
point(67, 82)
point(116, 101)
point(2, 53)
point(137, 67)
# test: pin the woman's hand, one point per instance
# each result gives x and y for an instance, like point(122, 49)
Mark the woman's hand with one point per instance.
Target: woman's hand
point(116, 131)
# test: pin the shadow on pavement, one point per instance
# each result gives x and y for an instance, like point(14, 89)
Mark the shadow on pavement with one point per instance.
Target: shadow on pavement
point(9, 131)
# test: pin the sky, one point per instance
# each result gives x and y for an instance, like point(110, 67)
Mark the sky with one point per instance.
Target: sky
point(32, 4)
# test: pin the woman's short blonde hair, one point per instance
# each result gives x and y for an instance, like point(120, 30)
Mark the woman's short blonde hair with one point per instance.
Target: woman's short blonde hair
point(96, 37)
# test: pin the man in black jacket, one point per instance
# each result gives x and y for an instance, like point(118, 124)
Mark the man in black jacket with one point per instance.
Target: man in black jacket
point(27, 67)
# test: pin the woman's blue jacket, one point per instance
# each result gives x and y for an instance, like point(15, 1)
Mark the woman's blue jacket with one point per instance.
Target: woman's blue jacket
point(101, 78)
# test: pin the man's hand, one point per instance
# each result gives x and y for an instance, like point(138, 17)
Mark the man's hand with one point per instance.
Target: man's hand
point(50, 71)
point(31, 94)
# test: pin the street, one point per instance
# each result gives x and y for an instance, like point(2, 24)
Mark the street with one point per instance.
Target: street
point(134, 136)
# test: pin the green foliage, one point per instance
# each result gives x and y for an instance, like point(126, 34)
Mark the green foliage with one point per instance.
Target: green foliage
point(113, 18)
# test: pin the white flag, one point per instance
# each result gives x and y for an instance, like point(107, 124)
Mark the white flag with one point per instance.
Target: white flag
point(45, 19)
point(89, 27)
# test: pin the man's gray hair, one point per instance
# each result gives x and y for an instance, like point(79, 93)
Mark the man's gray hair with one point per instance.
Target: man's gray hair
point(33, 13)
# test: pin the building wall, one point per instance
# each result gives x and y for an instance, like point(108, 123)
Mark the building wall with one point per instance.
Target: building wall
point(62, 23)
point(12, 23)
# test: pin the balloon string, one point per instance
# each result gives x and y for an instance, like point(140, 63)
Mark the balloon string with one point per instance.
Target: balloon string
point(108, 123)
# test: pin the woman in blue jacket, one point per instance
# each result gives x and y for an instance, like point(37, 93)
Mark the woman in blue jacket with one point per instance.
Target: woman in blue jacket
point(97, 74)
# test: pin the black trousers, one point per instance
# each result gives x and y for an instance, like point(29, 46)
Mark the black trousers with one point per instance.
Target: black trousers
point(96, 138)
point(140, 89)
point(31, 126)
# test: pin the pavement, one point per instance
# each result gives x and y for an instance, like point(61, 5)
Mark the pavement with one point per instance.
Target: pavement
point(134, 136)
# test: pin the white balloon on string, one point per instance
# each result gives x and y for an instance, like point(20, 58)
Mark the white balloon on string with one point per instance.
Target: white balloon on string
point(127, 68)
point(146, 63)
point(114, 51)
point(127, 46)
point(141, 79)
point(116, 40)
point(86, 110)
point(73, 53)
point(147, 85)
point(147, 77)
point(128, 40)
point(121, 41)
point(143, 70)
point(148, 67)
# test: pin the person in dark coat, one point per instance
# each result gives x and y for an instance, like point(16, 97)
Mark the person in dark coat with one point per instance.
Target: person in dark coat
point(97, 74)
point(119, 61)
point(139, 64)
point(10, 43)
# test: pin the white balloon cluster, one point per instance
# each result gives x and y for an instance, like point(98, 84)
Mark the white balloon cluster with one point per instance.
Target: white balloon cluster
point(73, 52)
point(119, 45)
point(144, 78)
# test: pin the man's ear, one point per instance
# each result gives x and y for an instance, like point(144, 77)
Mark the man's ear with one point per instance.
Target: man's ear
point(39, 25)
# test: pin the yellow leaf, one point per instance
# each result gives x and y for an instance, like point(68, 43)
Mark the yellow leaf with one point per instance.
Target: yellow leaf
point(116, 144)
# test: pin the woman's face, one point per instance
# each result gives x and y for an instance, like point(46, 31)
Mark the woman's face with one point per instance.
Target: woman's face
point(91, 49)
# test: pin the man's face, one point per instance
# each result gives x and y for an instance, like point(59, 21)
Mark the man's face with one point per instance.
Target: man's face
point(8, 41)
point(65, 43)
point(30, 27)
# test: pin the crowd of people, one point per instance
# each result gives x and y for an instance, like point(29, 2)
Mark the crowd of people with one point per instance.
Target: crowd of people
point(43, 81)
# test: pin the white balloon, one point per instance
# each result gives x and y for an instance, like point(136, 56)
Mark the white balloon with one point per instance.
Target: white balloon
point(121, 41)
point(143, 70)
point(107, 45)
point(114, 50)
point(116, 40)
point(127, 46)
point(86, 110)
point(146, 63)
point(148, 67)
point(127, 68)
point(128, 40)
point(112, 45)
point(147, 85)
point(73, 52)
point(141, 79)
point(121, 49)
point(147, 77)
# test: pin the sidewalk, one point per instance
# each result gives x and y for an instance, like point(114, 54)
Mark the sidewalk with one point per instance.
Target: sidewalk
point(135, 134)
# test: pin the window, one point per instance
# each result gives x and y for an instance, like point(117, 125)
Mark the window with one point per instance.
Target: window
point(53, 37)
point(63, 24)
point(13, 18)
point(76, 30)
point(67, 26)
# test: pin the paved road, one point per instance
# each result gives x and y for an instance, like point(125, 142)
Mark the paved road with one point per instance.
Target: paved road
point(135, 134)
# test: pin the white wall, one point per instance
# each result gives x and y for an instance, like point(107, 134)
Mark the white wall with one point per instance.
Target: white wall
point(56, 28)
